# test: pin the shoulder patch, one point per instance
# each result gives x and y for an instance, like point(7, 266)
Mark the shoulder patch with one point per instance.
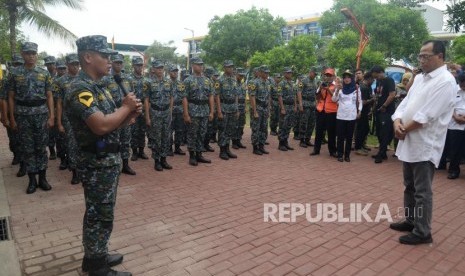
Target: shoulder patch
point(300, 85)
point(217, 85)
point(86, 98)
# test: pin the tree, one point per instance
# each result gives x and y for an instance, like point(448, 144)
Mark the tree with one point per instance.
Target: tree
point(458, 50)
point(341, 52)
point(238, 36)
point(163, 51)
point(397, 32)
point(33, 11)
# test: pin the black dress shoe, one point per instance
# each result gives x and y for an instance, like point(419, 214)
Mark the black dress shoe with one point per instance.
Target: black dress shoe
point(313, 153)
point(453, 175)
point(347, 159)
point(333, 155)
point(403, 226)
point(112, 260)
point(413, 239)
point(340, 159)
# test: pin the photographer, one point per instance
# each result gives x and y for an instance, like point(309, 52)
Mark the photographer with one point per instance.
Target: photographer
point(326, 111)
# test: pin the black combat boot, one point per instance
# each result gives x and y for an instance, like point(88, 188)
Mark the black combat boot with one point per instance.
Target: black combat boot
point(208, 147)
point(223, 154)
point(170, 151)
point(15, 160)
point(135, 154)
point(192, 158)
point(240, 144)
point(256, 150)
point(308, 143)
point(100, 267)
point(202, 159)
point(158, 167)
point(178, 150)
point(286, 144)
point(261, 147)
point(229, 153)
point(75, 180)
point(281, 146)
point(126, 169)
point(234, 144)
point(31, 187)
point(165, 164)
point(302, 143)
point(63, 163)
point(53, 153)
point(22, 170)
point(142, 154)
point(43, 183)
point(112, 260)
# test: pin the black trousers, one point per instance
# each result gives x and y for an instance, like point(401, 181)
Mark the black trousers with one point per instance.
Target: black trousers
point(363, 128)
point(325, 122)
point(345, 132)
point(456, 140)
point(385, 131)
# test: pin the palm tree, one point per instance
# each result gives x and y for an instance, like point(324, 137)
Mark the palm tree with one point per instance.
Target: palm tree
point(33, 11)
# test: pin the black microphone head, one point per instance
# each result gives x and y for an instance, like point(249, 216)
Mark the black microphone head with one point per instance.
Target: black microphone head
point(117, 79)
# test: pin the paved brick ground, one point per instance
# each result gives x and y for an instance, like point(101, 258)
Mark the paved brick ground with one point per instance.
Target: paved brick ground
point(208, 220)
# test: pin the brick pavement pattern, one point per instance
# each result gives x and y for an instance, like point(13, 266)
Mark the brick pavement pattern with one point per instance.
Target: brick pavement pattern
point(208, 220)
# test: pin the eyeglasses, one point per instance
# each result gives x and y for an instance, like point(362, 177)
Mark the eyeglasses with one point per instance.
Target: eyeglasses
point(425, 57)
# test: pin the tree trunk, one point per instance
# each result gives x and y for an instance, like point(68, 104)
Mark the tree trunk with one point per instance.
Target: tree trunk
point(13, 14)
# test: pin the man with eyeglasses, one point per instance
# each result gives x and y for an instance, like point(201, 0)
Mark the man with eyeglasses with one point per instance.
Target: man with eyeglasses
point(96, 123)
point(420, 124)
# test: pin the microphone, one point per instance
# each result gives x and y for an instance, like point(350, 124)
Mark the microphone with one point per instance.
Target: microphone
point(119, 81)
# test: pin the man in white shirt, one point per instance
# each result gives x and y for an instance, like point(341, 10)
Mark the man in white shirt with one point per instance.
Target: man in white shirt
point(420, 123)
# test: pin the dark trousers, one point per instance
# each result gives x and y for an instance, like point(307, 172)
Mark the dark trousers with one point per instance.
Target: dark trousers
point(345, 132)
point(418, 196)
point(325, 122)
point(456, 140)
point(363, 127)
point(385, 131)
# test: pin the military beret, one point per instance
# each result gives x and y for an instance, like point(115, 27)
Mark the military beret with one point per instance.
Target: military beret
point(117, 58)
point(209, 70)
point(228, 63)
point(60, 64)
point(196, 60)
point(49, 60)
point(96, 43)
point(158, 63)
point(17, 59)
point(29, 47)
point(137, 61)
point(70, 58)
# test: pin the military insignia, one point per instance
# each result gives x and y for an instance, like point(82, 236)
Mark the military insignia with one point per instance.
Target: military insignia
point(181, 87)
point(217, 85)
point(252, 87)
point(167, 85)
point(40, 77)
point(300, 85)
point(145, 87)
point(207, 82)
point(279, 89)
point(86, 98)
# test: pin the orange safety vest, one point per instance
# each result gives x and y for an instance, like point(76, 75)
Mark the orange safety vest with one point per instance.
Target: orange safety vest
point(325, 103)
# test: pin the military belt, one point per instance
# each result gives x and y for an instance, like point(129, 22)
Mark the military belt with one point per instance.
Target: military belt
point(307, 98)
point(31, 103)
point(160, 108)
point(198, 102)
point(261, 103)
point(228, 101)
point(178, 102)
point(288, 102)
point(107, 148)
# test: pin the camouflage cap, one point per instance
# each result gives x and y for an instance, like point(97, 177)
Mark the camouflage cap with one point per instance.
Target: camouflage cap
point(49, 60)
point(277, 75)
point(209, 70)
point(158, 63)
point(287, 70)
point(137, 61)
point(313, 69)
point(17, 59)
point(117, 58)
point(70, 58)
point(215, 72)
point(96, 43)
point(228, 63)
point(60, 64)
point(173, 68)
point(196, 60)
point(240, 71)
point(264, 68)
point(29, 47)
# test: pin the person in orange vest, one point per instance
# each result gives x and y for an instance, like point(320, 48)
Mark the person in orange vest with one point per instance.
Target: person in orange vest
point(326, 111)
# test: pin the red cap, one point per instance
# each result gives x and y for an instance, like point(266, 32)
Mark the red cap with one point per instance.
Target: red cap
point(329, 71)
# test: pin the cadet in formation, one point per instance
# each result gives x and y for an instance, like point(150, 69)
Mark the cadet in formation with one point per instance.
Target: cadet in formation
point(288, 109)
point(118, 93)
point(198, 104)
point(50, 64)
point(60, 138)
point(158, 103)
point(96, 120)
point(177, 122)
point(241, 97)
point(306, 94)
point(30, 105)
point(274, 113)
point(259, 92)
point(226, 91)
point(211, 125)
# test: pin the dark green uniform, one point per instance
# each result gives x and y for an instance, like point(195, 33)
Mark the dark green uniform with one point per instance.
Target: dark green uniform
point(138, 129)
point(308, 88)
point(261, 89)
point(241, 97)
point(227, 90)
point(287, 91)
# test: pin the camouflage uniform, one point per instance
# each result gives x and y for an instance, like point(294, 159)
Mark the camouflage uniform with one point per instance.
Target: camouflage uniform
point(138, 129)
point(212, 126)
point(159, 95)
point(60, 138)
point(260, 89)
point(287, 92)
point(177, 124)
point(308, 89)
point(99, 160)
point(274, 116)
point(52, 132)
point(240, 122)
point(226, 89)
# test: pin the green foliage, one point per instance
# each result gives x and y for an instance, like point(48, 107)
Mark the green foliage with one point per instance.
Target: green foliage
point(456, 18)
point(163, 51)
point(395, 31)
point(238, 36)
point(341, 53)
point(458, 49)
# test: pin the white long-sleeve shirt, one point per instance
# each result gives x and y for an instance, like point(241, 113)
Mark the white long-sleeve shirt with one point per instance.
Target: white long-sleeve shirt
point(347, 104)
point(459, 109)
point(430, 102)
